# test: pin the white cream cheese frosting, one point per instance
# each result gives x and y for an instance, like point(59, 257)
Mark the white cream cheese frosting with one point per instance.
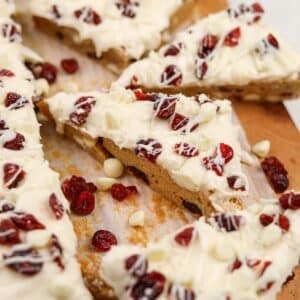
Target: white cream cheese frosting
point(185, 136)
point(233, 47)
point(37, 241)
point(248, 255)
point(135, 26)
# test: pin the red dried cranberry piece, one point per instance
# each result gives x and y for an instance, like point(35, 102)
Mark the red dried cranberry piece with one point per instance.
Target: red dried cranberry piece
point(178, 292)
point(252, 263)
point(75, 185)
point(11, 32)
point(290, 201)
point(56, 206)
point(56, 12)
point(276, 173)
point(283, 222)
point(171, 76)
point(69, 65)
point(3, 125)
point(103, 240)
point(164, 107)
point(134, 83)
point(150, 286)
point(136, 265)
point(27, 222)
point(185, 237)
point(127, 7)
point(88, 15)
point(26, 262)
point(9, 233)
point(6, 206)
point(236, 183)
point(192, 207)
point(56, 251)
point(207, 45)
point(15, 101)
point(237, 264)
point(84, 204)
point(223, 155)
point(266, 220)
point(173, 50)
point(264, 267)
point(178, 121)
point(273, 41)
point(201, 69)
point(13, 175)
point(149, 149)
point(44, 70)
point(186, 150)
point(233, 37)
point(258, 10)
point(120, 192)
point(16, 144)
point(6, 73)
point(267, 287)
point(228, 222)
point(141, 96)
point(83, 107)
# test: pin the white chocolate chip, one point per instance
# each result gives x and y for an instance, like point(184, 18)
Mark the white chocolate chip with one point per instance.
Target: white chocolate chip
point(38, 238)
point(42, 86)
point(113, 168)
point(60, 291)
point(262, 148)
point(270, 235)
point(223, 250)
point(137, 218)
point(248, 159)
point(70, 87)
point(104, 183)
point(156, 255)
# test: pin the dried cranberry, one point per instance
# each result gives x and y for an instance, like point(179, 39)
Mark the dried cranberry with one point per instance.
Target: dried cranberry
point(26, 262)
point(134, 83)
point(27, 222)
point(9, 233)
point(150, 286)
point(136, 265)
point(283, 222)
point(290, 201)
point(207, 45)
point(186, 150)
point(173, 50)
point(264, 267)
point(15, 101)
point(253, 263)
point(56, 206)
point(83, 107)
point(127, 7)
point(149, 149)
point(69, 65)
point(192, 207)
point(201, 69)
point(266, 220)
point(56, 251)
point(185, 237)
point(88, 15)
point(267, 287)
point(11, 32)
point(13, 175)
point(15, 144)
point(178, 292)
point(228, 222)
point(141, 96)
point(273, 41)
point(103, 240)
point(3, 125)
point(257, 10)
point(171, 76)
point(237, 264)
point(75, 185)
point(84, 204)
point(232, 38)
point(178, 121)
point(6, 206)
point(236, 183)
point(164, 107)
point(44, 70)
point(55, 11)
point(6, 73)
point(223, 154)
point(276, 173)
point(120, 192)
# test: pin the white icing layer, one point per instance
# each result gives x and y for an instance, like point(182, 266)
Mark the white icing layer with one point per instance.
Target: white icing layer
point(135, 27)
point(243, 264)
point(118, 116)
point(53, 280)
point(249, 56)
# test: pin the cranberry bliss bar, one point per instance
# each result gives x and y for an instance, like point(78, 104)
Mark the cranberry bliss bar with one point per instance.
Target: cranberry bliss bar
point(231, 54)
point(187, 147)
